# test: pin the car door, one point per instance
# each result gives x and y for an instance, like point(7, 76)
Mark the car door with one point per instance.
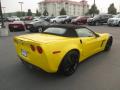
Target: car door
point(104, 18)
point(91, 43)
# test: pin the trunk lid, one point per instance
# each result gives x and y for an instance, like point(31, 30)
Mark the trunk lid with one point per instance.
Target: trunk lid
point(42, 38)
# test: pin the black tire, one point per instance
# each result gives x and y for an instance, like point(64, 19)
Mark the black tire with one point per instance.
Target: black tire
point(40, 29)
point(97, 23)
point(109, 44)
point(11, 30)
point(54, 21)
point(69, 63)
point(78, 23)
point(66, 22)
point(119, 24)
point(31, 31)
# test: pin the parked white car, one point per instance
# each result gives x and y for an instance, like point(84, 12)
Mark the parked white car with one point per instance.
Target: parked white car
point(36, 19)
point(13, 18)
point(115, 21)
point(58, 19)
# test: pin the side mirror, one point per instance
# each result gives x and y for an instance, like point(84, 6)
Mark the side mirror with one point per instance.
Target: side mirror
point(97, 35)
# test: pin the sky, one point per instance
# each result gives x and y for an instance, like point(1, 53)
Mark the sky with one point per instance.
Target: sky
point(13, 5)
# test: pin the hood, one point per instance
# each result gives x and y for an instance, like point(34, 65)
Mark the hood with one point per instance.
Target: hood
point(74, 20)
point(89, 19)
point(42, 38)
point(53, 19)
point(114, 19)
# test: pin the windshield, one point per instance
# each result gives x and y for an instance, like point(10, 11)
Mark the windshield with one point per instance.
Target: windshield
point(39, 21)
point(55, 31)
point(79, 17)
point(97, 16)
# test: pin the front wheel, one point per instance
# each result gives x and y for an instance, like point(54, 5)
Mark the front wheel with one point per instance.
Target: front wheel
point(97, 23)
point(40, 29)
point(119, 24)
point(70, 63)
point(109, 44)
point(66, 22)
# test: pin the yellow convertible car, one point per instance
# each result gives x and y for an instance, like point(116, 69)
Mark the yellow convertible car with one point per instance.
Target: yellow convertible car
point(60, 48)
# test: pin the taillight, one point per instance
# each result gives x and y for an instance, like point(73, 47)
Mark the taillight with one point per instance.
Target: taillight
point(32, 47)
point(39, 49)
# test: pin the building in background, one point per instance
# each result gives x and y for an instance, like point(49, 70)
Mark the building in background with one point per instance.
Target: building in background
point(72, 8)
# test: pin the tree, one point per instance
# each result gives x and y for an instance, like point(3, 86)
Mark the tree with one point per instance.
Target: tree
point(9, 14)
point(23, 13)
point(52, 15)
point(93, 10)
point(18, 14)
point(62, 12)
point(112, 9)
point(45, 13)
point(29, 12)
point(37, 13)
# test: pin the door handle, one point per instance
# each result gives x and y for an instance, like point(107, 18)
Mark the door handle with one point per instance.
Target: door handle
point(80, 41)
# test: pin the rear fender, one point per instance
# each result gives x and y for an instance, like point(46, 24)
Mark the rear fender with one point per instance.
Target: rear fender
point(54, 60)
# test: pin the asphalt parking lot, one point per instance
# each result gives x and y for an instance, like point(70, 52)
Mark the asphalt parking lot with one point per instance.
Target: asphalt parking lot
point(99, 72)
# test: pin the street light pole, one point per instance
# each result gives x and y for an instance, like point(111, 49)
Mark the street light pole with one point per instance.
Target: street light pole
point(4, 11)
point(83, 3)
point(21, 3)
point(94, 9)
point(2, 21)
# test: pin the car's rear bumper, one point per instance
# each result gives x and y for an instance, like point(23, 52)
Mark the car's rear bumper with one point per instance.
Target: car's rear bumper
point(46, 61)
point(113, 23)
point(43, 64)
point(16, 29)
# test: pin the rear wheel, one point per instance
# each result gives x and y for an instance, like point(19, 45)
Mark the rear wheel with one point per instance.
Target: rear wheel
point(11, 30)
point(97, 23)
point(66, 22)
point(109, 44)
point(119, 24)
point(54, 21)
point(40, 29)
point(78, 23)
point(70, 63)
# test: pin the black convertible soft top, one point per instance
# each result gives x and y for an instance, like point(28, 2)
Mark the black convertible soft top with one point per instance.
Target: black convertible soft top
point(67, 26)
point(70, 29)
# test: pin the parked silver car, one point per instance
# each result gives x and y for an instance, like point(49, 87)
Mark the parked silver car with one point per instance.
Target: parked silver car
point(115, 21)
point(58, 19)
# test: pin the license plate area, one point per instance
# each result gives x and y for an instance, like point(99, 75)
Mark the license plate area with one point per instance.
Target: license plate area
point(24, 52)
point(15, 26)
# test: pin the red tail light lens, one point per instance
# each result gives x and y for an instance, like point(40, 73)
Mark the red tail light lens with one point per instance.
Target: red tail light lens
point(32, 47)
point(39, 49)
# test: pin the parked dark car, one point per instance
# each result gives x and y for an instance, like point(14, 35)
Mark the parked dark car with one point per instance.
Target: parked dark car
point(37, 26)
point(99, 19)
point(48, 18)
point(68, 19)
point(17, 26)
point(42, 17)
point(80, 20)
point(4, 19)
point(28, 18)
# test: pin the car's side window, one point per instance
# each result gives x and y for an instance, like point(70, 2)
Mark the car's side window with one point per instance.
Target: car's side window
point(84, 32)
